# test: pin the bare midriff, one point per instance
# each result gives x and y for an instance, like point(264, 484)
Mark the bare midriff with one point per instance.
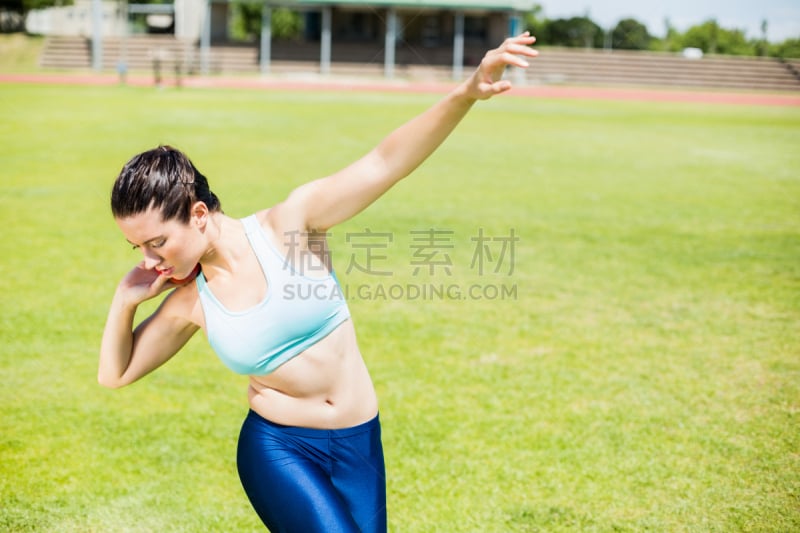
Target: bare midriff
point(326, 387)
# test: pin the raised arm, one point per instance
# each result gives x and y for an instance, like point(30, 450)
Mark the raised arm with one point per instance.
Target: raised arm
point(323, 203)
point(127, 354)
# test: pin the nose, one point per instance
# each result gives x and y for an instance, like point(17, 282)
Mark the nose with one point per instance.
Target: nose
point(151, 260)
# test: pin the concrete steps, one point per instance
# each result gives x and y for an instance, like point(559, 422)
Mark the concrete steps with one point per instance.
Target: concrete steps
point(553, 66)
point(643, 68)
point(66, 53)
point(137, 52)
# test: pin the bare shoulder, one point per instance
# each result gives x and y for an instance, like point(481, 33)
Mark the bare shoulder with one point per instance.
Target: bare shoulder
point(265, 217)
point(281, 219)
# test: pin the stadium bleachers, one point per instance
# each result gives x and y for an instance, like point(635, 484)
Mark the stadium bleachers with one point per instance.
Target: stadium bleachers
point(138, 52)
point(553, 66)
point(576, 66)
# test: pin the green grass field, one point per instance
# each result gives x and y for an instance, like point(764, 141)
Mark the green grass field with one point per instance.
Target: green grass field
point(20, 52)
point(642, 372)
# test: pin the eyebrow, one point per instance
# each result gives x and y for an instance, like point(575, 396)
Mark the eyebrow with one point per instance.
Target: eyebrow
point(147, 241)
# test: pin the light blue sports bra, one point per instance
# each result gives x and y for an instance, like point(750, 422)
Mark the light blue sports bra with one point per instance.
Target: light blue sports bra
point(295, 314)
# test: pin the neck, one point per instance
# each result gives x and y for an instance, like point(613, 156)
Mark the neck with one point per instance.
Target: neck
point(226, 243)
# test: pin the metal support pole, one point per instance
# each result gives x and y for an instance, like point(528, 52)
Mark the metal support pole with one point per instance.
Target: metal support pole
point(325, 42)
point(514, 24)
point(389, 43)
point(97, 35)
point(458, 46)
point(266, 38)
point(205, 41)
point(515, 28)
point(122, 63)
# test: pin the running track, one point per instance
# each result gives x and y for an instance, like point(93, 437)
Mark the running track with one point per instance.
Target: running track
point(315, 84)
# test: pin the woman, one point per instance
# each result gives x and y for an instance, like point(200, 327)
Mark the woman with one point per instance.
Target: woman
point(309, 455)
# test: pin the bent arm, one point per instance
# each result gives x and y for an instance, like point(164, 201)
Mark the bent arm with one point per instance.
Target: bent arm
point(328, 201)
point(127, 354)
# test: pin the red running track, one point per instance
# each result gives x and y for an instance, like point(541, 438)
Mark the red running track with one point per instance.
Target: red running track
point(587, 93)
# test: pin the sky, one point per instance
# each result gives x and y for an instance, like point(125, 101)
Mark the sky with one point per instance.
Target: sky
point(782, 16)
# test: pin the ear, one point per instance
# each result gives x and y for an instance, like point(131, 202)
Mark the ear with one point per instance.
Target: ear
point(199, 215)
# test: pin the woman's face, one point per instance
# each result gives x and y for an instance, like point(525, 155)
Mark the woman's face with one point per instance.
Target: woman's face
point(170, 247)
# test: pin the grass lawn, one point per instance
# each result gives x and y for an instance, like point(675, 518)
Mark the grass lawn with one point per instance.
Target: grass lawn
point(20, 52)
point(633, 367)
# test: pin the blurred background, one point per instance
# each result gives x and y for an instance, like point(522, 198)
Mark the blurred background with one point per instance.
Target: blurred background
point(752, 45)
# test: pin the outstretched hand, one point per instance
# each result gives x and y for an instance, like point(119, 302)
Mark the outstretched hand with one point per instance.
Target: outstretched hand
point(487, 80)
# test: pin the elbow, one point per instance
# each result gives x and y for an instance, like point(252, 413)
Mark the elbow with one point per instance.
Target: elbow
point(110, 383)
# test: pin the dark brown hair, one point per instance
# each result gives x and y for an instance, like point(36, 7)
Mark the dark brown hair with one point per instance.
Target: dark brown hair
point(162, 178)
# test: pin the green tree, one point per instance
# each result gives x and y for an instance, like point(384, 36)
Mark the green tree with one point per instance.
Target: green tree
point(246, 22)
point(790, 48)
point(537, 24)
point(671, 42)
point(12, 12)
point(286, 24)
point(630, 34)
point(734, 42)
point(703, 36)
point(23, 6)
point(575, 32)
point(713, 39)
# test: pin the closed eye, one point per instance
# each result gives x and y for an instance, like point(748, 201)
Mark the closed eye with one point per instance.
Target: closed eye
point(154, 243)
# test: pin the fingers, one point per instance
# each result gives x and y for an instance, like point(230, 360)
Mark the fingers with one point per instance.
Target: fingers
point(498, 87)
point(525, 38)
point(521, 44)
point(511, 58)
point(160, 281)
point(512, 48)
point(513, 52)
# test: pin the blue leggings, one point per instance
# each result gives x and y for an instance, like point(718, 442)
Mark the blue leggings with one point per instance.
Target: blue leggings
point(304, 480)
